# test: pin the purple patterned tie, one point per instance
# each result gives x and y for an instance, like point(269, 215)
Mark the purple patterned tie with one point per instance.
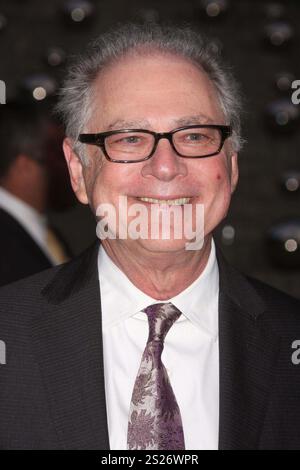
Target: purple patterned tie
point(154, 416)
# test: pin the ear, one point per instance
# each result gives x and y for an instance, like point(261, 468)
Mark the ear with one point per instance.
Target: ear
point(76, 172)
point(234, 171)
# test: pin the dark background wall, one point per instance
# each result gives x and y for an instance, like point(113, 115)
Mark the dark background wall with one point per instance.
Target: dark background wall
point(261, 199)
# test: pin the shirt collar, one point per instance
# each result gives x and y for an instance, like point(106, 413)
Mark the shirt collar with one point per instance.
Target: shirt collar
point(121, 299)
point(33, 222)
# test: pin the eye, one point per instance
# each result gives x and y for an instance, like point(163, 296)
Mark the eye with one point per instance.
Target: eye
point(126, 139)
point(195, 137)
point(133, 139)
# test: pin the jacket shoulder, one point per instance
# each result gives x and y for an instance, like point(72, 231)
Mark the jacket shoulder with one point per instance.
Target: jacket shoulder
point(23, 296)
point(27, 296)
point(272, 294)
point(281, 308)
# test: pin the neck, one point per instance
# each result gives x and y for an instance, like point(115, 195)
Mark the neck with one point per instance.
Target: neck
point(161, 275)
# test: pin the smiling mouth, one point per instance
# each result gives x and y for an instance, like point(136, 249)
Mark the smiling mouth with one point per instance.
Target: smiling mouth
point(171, 202)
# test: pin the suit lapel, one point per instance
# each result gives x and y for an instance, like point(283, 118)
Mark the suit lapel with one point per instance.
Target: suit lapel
point(67, 341)
point(248, 356)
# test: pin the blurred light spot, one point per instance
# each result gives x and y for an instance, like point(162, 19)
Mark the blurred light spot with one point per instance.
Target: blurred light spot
point(282, 115)
point(55, 56)
point(277, 38)
point(291, 245)
point(292, 184)
point(37, 87)
point(213, 9)
point(78, 15)
point(279, 33)
point(283, 241)
point(282, 118)
point(228, 235)
point(39, 93)
point(78, 12)
point(284, 81)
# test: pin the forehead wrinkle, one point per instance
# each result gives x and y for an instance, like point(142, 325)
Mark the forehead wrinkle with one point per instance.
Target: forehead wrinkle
point(145, 124)
point(194, 119)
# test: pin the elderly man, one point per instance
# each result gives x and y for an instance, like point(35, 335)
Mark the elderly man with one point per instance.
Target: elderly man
point(144, 342)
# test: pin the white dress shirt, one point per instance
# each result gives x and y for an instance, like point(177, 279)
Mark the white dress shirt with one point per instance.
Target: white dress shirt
point(190, 355)
point(31, 220)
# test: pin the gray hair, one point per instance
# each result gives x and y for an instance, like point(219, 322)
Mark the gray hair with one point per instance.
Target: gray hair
point(75, 103)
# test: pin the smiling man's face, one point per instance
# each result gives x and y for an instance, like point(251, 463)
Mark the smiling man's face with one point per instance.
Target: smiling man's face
point(159, 93)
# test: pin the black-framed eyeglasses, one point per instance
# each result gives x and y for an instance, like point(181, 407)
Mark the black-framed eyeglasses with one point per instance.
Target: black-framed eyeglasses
point(138, 145)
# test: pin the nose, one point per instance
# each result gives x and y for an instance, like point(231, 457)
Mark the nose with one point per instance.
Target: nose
point(165, 164)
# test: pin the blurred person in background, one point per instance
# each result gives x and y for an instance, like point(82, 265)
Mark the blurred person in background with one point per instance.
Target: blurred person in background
point(32, 182)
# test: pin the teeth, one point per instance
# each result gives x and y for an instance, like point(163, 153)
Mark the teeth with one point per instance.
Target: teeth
point(171, 202)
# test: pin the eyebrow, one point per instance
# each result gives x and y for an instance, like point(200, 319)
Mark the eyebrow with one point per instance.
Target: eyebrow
point(145, 124)
point(123, 124)
point(195, 119)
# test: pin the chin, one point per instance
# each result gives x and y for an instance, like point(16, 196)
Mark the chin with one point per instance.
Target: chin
point(163, 246)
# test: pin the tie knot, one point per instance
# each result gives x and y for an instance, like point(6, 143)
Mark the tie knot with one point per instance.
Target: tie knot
point(160, 318)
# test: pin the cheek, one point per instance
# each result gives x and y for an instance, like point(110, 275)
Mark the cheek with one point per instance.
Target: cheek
point(221, 173)
point(220, 186)
point(215, 170)
point(107, 183)
point(222, 180)
point(217, 179)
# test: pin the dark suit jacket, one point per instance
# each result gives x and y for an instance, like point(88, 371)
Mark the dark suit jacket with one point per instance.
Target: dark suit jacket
point(52, 393)
point(20, 256)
